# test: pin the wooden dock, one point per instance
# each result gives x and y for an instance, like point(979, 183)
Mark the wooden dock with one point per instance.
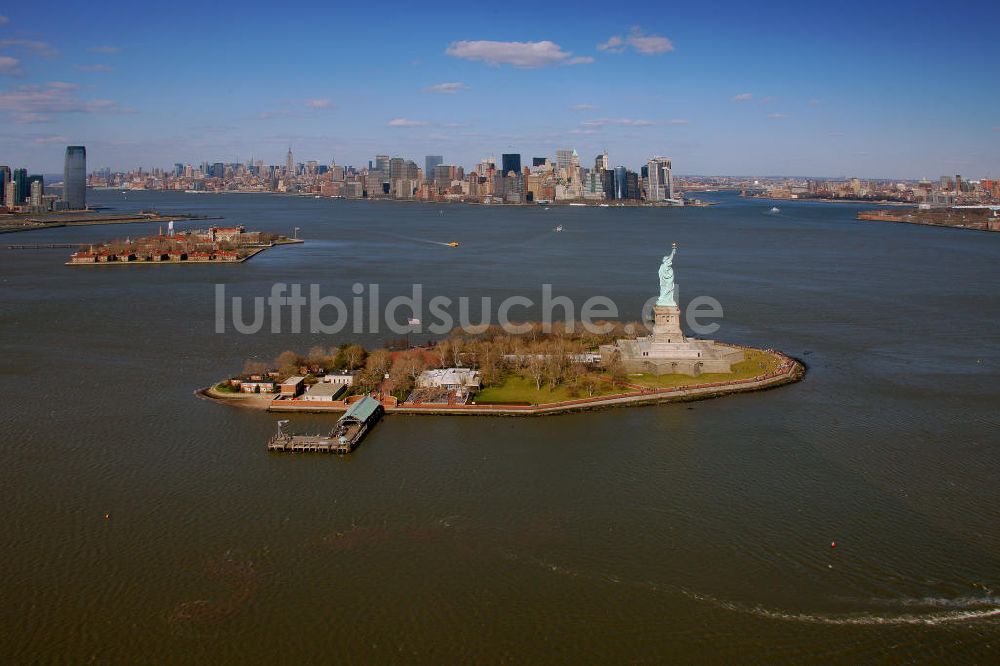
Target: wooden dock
point(309, 444)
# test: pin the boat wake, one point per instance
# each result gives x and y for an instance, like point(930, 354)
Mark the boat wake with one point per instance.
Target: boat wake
point(967, 610)
point(961, 609)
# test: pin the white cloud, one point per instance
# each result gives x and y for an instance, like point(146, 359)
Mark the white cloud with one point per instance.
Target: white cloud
point(649, 44)
point(614, 45)
point(743, 97)
point(678, 121)
point(996, 128)
point(639, 41)
point(319, 104)
point(583, 131)
point(32, 46)
point(406, 122)
point(93, 68)
point(813, 102)
point(616, 122)
point(583, 107)
point(526, 55)
point(776, 116)
point(51, 139)
point(38, 102)
point(9, 66)
point(106, 50)
point(448, 88)
point(4, 20)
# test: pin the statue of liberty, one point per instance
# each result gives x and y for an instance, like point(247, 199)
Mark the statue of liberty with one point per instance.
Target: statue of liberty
point(666, 273)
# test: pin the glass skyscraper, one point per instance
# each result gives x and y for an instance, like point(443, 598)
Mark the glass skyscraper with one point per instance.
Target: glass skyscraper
point(431, 161)
point(511, 162)
point(75, 178)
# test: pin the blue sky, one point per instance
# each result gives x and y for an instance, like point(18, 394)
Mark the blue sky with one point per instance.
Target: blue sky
point(869, 89)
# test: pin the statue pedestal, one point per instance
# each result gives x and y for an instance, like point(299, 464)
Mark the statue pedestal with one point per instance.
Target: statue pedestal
point(667, 325)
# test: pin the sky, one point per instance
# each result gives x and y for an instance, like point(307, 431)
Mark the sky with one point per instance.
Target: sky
point(869, 89)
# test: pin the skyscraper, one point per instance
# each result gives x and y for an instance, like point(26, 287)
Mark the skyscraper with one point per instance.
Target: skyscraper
point(382, 163)
point(75, 178)
point(431, 161)
point(563, 159)
point(660, 182)
point(620, 185)
point(511, 162)
point(289, 163)
point(4, 179)
point(601, 162)
point(20, 189)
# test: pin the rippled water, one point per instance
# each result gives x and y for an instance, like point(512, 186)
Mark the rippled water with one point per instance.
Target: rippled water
point(679, 532)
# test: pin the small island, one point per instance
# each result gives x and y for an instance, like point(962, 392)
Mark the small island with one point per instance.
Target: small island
point(212, 245)
point(549, 369)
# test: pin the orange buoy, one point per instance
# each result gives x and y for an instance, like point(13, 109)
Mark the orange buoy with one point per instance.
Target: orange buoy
point(833, 544)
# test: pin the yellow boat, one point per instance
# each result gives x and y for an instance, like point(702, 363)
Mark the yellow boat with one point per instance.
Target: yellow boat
point(453, 244)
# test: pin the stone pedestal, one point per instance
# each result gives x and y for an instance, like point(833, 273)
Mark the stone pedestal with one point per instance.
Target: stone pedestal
point(667, 324)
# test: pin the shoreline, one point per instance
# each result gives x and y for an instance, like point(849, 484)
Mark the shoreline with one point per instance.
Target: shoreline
point(28, 224)
point(866, 202)
point(793, 370)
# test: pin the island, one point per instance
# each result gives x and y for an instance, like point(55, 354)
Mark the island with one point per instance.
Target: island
point(212, 245)
point(549, 369)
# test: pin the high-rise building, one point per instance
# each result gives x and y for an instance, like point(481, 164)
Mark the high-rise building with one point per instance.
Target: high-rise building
point(4, 179)
point(19, 180)
point(563, 159)
point(289, 163)
point(620, 186)
point(431, 161)
point(382, 163)
point(37, 192)
point(538, 161)
point(601, 162)
point(511, 162)
point(659, 179)
point(75, 178)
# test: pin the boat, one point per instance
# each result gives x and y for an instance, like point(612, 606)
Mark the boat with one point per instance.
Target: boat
point(578, 204)
point(452, 244)
point(775, 210)
point(559, 227)
point(605, 206)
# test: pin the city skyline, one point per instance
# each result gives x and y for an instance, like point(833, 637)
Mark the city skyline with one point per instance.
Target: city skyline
point(754, 91)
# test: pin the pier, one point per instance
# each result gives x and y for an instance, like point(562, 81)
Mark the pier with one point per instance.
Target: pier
point(344, 438)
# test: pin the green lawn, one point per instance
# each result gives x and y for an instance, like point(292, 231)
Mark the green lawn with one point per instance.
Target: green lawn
point(755, 363)
point(516, 389)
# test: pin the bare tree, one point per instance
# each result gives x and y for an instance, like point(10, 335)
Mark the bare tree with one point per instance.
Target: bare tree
point(354, 355)
point(288, 363)
point(252, 367)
